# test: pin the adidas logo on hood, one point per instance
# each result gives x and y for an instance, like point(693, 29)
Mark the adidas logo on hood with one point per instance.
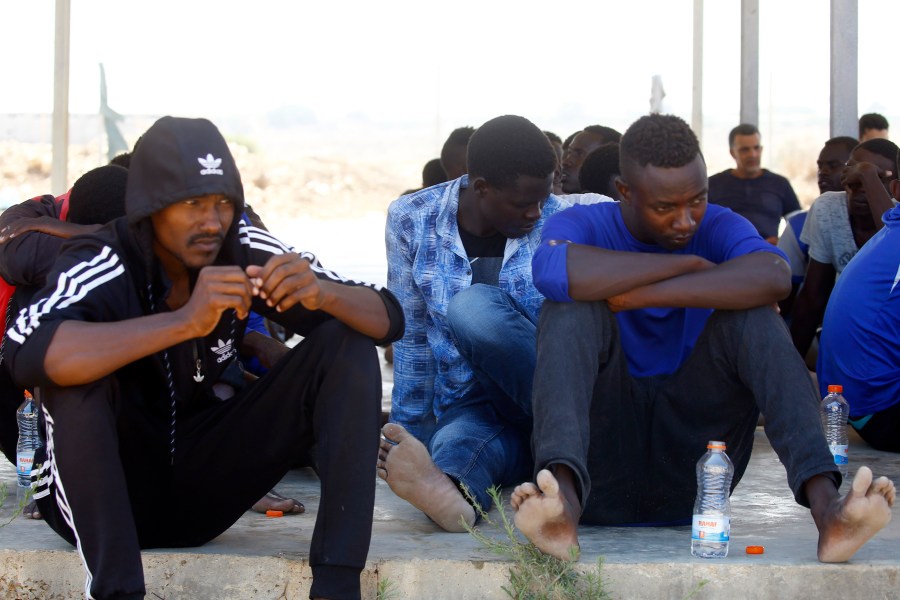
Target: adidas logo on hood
point(174, 161)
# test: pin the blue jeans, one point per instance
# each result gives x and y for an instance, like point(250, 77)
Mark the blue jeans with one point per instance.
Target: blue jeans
point(483, 440)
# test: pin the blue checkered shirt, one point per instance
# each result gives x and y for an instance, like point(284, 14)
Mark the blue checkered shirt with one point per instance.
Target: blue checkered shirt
point(428, 265)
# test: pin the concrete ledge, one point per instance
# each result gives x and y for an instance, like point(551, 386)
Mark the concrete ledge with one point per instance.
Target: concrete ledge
point(260, 558)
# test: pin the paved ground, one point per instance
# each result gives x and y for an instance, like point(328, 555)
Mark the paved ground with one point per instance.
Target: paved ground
point(265, 558)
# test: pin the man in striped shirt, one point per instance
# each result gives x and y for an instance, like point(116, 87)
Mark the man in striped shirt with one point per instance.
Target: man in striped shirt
point(134, 341)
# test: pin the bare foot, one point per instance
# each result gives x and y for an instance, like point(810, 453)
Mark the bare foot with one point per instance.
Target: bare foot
point(855, 518)
point(31, 511)
point(405, 464)
point(275, 501)
point(546, 517)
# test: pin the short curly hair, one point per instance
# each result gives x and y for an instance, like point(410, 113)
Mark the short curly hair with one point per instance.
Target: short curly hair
point(509, 146)
point(882, 147)
point(598, 168)
point(659, 140)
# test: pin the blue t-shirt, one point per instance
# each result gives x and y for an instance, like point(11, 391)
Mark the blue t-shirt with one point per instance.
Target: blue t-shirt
point(860, 345)
point(656, 340)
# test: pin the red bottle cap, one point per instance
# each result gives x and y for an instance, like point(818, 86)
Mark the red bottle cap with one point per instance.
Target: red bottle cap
point(274, 513)
point(756, 549)
point(835, 389)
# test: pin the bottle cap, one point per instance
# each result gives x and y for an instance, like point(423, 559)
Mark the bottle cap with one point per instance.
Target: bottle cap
point(28, 395)
point(835, 389)
point(274, 513)
point(715, 445)
point(756, 549)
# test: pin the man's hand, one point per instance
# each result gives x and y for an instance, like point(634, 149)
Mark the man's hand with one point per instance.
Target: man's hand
point(288, 279)
point(855, 175)
point(218, 289)
point(47, 225)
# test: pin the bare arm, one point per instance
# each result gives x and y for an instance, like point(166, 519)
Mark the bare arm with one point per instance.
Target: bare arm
point(748, 281)
point(597, 274)
point(70, 361)
point(809, 309)
point(288, 279)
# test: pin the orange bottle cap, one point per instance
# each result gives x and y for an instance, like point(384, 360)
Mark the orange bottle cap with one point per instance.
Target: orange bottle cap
point(716, 444)
point(274, 513)
point(756, 549)
point(28, 395)
point(835, 388)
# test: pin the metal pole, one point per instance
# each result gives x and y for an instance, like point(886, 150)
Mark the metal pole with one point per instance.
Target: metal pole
point(750, 61)
point(697, 92)
point(844, 68)
point(60, 137)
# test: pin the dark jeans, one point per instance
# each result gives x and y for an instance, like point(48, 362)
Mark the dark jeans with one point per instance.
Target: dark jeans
point(633, 443)
point(115, 488)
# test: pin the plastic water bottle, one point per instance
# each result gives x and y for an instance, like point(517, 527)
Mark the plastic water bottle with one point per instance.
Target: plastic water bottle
point(835, 412)
point(711, 526)
point(29, 441)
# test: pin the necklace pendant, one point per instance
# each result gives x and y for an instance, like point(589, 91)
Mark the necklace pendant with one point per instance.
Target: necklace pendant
point(198, 377)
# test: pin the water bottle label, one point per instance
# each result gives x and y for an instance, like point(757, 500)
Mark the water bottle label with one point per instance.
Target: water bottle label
point(840, 453)
point(24, 462)
point(711, 528)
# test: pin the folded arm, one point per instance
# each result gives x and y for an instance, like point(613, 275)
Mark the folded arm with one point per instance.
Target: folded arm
point(748, 281)
point(598, 274)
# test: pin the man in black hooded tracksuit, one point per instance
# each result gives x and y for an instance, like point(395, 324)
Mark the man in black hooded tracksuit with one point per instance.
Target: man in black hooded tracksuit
point(134, 341)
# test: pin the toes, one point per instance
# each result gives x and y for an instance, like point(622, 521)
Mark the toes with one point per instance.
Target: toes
point(385, 445)
point(547, 483)
point(381, 472)
point(883, 487)
point(394, 433)
point(862, 481)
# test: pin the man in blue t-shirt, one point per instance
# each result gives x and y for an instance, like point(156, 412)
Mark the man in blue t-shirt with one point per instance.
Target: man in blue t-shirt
point(860, 346)
point(658, 335)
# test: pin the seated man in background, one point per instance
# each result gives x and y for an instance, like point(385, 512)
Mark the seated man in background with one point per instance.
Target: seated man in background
point(873, 125)
point(829, 166)
point(31, 234)
point(860, 346)
point(838, 225)
point(600, 170)
point(658, 335)
point(146, 414)
point(583, 143)
point(459, 261)
point(757, 194)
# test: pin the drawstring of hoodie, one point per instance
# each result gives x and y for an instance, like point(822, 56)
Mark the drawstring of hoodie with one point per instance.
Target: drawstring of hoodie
point(170, 380)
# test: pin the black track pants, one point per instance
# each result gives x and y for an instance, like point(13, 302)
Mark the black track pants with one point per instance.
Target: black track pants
point(113, 488)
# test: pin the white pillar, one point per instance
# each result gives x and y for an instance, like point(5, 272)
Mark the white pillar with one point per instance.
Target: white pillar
point(58, 178)
point(697, 91)
point(844, 68)
point(750, 61)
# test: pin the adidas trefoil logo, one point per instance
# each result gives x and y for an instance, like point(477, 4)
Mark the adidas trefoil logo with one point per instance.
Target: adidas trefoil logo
point(224, 350)
point(211, 165)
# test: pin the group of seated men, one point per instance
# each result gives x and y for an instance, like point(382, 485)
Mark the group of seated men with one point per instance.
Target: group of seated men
point(585, 350)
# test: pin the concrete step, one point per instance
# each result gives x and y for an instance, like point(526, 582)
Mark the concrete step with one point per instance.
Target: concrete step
point(265, 558)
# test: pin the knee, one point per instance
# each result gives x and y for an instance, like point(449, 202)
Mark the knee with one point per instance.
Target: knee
point(336, 340)
point(474, 312)
point(572, 317)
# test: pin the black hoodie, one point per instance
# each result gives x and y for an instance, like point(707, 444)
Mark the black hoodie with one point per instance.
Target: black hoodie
point(114, 275)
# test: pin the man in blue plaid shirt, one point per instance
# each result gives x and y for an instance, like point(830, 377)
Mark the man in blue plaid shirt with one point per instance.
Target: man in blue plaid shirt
point(459, 261)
